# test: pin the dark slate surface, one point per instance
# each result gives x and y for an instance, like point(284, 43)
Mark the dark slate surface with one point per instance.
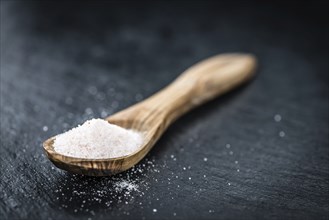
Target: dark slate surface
point(53, 56)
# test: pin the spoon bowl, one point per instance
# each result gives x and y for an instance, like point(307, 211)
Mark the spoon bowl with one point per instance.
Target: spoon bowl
point(151, 117)
point(108, 166)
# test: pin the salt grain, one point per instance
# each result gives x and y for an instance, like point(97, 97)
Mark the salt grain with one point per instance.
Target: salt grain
point(103, 114)
point(88, 111)
point(277, 118)
point(45, 128)
point(126, 185)
point(282, 134)
point(97, 138)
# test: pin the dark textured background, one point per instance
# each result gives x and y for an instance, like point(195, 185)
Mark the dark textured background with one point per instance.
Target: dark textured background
point(54, 55)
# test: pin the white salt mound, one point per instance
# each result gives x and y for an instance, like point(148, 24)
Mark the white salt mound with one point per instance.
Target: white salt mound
point(96, 139)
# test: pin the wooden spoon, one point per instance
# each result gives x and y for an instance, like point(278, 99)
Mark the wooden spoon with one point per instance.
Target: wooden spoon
point(151, 117)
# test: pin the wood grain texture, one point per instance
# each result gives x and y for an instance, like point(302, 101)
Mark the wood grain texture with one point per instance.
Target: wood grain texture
point(198, 84)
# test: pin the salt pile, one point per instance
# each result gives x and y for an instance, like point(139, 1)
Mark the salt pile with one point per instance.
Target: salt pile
point(96, 139)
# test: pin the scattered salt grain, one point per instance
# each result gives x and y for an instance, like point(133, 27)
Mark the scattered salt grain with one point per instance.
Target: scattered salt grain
point(88, 111)
point(277, 118)
point(228, 146)
point(126, 185)
point(154, 210)
point(97, 138)
point(205, 159)
point(103, 114)
point(282, 134)
point(45, 128)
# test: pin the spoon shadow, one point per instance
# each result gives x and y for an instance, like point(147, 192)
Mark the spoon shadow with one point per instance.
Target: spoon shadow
point(193, 117)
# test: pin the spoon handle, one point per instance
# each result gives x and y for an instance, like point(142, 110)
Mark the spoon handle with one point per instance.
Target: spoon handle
point(200, 83)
